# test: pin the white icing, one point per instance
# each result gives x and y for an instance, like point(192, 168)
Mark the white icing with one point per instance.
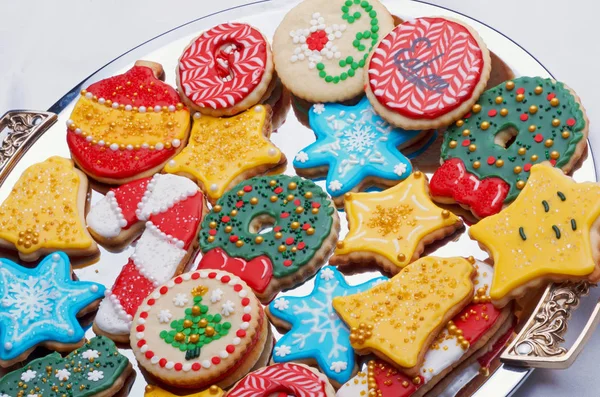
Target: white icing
point(216, 295)
point(327, 274)
point(28, 375)
point(338, 366)
point(164, 316)
point(95, 375)
point(282, 351)
point(437, 360)
point(164, 191)
point(180, 300)
point(282, 304)
point(105, 218)
point(62, 375)
point(90, 354)
point(109, 319)
point(358, 386)
point(227, 308)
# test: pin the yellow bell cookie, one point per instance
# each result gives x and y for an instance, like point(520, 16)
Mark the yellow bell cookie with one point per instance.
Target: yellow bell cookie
point(44, 212)
point(155, 391)
point(399, 319)
point(224, 151)
point(543, 235)
point(392, 227)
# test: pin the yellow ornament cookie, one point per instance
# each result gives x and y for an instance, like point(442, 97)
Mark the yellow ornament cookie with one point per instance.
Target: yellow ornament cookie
point(224, 151)
point(546, 234)
point(392, 227)
point(45, 212)
point(399, 319)
point(155, 391)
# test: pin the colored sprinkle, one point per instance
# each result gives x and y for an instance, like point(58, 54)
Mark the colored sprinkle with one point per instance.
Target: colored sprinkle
point(573, 224)
point(556, 231)
point(546, 206)
point(561, 195)
point(522, 234)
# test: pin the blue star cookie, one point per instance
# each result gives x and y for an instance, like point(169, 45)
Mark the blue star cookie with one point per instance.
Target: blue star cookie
point(316, 332)
point(41, 305)
point(354, 143)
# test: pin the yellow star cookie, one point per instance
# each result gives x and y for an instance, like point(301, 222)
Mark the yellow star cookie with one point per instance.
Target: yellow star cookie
point(155, 391)
point(399, 319)
point(224, 151)
point(543, 235)
point(392, 227)
point(45, 212)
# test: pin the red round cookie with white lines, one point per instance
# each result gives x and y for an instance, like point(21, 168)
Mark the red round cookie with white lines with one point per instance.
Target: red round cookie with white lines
point(226, 70)
point(283, 379)
point(198, 329)
point(427, 73)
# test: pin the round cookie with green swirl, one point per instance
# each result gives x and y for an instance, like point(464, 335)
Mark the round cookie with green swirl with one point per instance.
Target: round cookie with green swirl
point(273, 232)
point(487, 155)
point(321, 47)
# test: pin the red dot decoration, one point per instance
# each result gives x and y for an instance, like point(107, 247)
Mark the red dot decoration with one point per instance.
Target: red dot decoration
point(289, 240)
point(149, 354)
point(212, 232)
point(230, 349)
point(216, 360)
point(164, 290)
point(162, 362)
point(285, 215)
point(287, 263)
point(212, 275)
point(297, 202)
point(178, 280)
point(315, 205)
point(571, 122)
point(538, 138)
point(306, 226)
point(521, 91)
point(301, 245)
point(196, 366)
point(492, 113)
point(237, 287)
point(527, 167)
point(195, 276)
point(553, 162)
point(144, 314)
point(178, 367)
point(151, 302)
point(141, 343)
point(140, 328)
point(240, 333)
point(225, 279)
point(246, 317)
point(466, 142)
point(225, 219)
point(233, 238)
point(278, 190)
point(245, 301)
point(491, 160)
point(524, 117)
point(247, 188)
point(551, 96)
point(239, 204)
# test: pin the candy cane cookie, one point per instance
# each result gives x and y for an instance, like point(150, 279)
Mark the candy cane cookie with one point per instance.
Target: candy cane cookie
point(170, 208)
point(128, 126)
point(427, 73)
point(226, 70)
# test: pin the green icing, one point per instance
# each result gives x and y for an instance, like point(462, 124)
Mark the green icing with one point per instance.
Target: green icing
point(192, 349)
point(79, 364)
point(316, 215)
point(487, 152)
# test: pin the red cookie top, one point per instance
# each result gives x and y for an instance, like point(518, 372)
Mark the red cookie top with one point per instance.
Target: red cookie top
point(426, 67)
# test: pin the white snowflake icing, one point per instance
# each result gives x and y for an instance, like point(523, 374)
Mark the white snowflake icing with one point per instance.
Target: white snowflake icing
point(180, 300)
point(281, 304)
point(327, 274)
point(359, 138)
point(28, 375)
point(216, 295)
point(318, 108)
point(400, 169)
point(164, 316)
point(30, 299)
point(227, 308)
point(282, 351)
point(63, 374)
point(90, 354)
point(302, 157)
point(95, 376)
point(338, 366)
point(314, 56)
point(334, 186)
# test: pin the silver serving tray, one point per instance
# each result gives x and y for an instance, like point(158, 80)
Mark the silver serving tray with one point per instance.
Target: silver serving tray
point(30, 136)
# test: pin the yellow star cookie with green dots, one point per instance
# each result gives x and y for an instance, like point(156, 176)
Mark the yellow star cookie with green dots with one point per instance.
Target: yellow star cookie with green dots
point(391, 228)
point(399, 319)
point(224, 151)
point(546, 234)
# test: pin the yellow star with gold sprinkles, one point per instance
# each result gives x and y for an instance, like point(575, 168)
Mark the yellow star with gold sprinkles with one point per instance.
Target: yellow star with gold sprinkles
point(400, 318)
point(155, 391)
point(543, 235)
point(223, 151)
point(393, 226)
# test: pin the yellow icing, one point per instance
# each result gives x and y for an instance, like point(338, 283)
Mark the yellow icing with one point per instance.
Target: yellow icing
point(518, 261)
point(222, 149)
point(41, 210)
point(396, 317)
point(128, 127)
point(391, 223)
point(155, 391)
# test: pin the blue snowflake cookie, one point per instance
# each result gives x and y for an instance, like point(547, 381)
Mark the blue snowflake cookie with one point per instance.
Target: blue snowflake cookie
point(315, 330)
point(41, 305)
point(356, 146)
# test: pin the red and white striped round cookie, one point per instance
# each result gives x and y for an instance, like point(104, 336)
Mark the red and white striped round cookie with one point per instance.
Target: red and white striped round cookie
point(427, 73)
point(226, 70)
point(198, 329)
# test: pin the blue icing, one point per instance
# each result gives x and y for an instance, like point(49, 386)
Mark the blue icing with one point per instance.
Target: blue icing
point(41, 305)
point(317, 332)
point(354, 143)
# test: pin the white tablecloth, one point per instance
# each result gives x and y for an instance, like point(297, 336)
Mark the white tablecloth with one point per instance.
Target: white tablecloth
point(47, 47)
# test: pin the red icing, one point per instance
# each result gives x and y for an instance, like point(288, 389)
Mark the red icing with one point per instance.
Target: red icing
point(257, 273)
point(492, 113)
point(485, 197)
point(538, 138)
point(128, 196)
point(571, 122)
point(491, 160)
point(527, 167)
point(435, 65)
point(524, 117)
point(472, 322)
point(393, 383)
point(551, 96)
point(131, 288)
point(466, 142)
point(486, 360)
point(317, 40)
point(521, 90)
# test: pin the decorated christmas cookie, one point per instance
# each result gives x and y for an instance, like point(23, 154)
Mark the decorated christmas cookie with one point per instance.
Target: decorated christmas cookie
point(436, 288)
point(283, 380)
point(321, 47)
point(355, 148)
point(170, 207)
point(303, 223)
point(201, 328)
point(391, 228)
point(155, 391)
point(225, 70)
point(549, 233)
point(427, 73)
point(127, 126)
point(224, 151)
point(40, 307)
point(316, 334)
point(489, 153)
point(95, 369)
point(32, 223)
